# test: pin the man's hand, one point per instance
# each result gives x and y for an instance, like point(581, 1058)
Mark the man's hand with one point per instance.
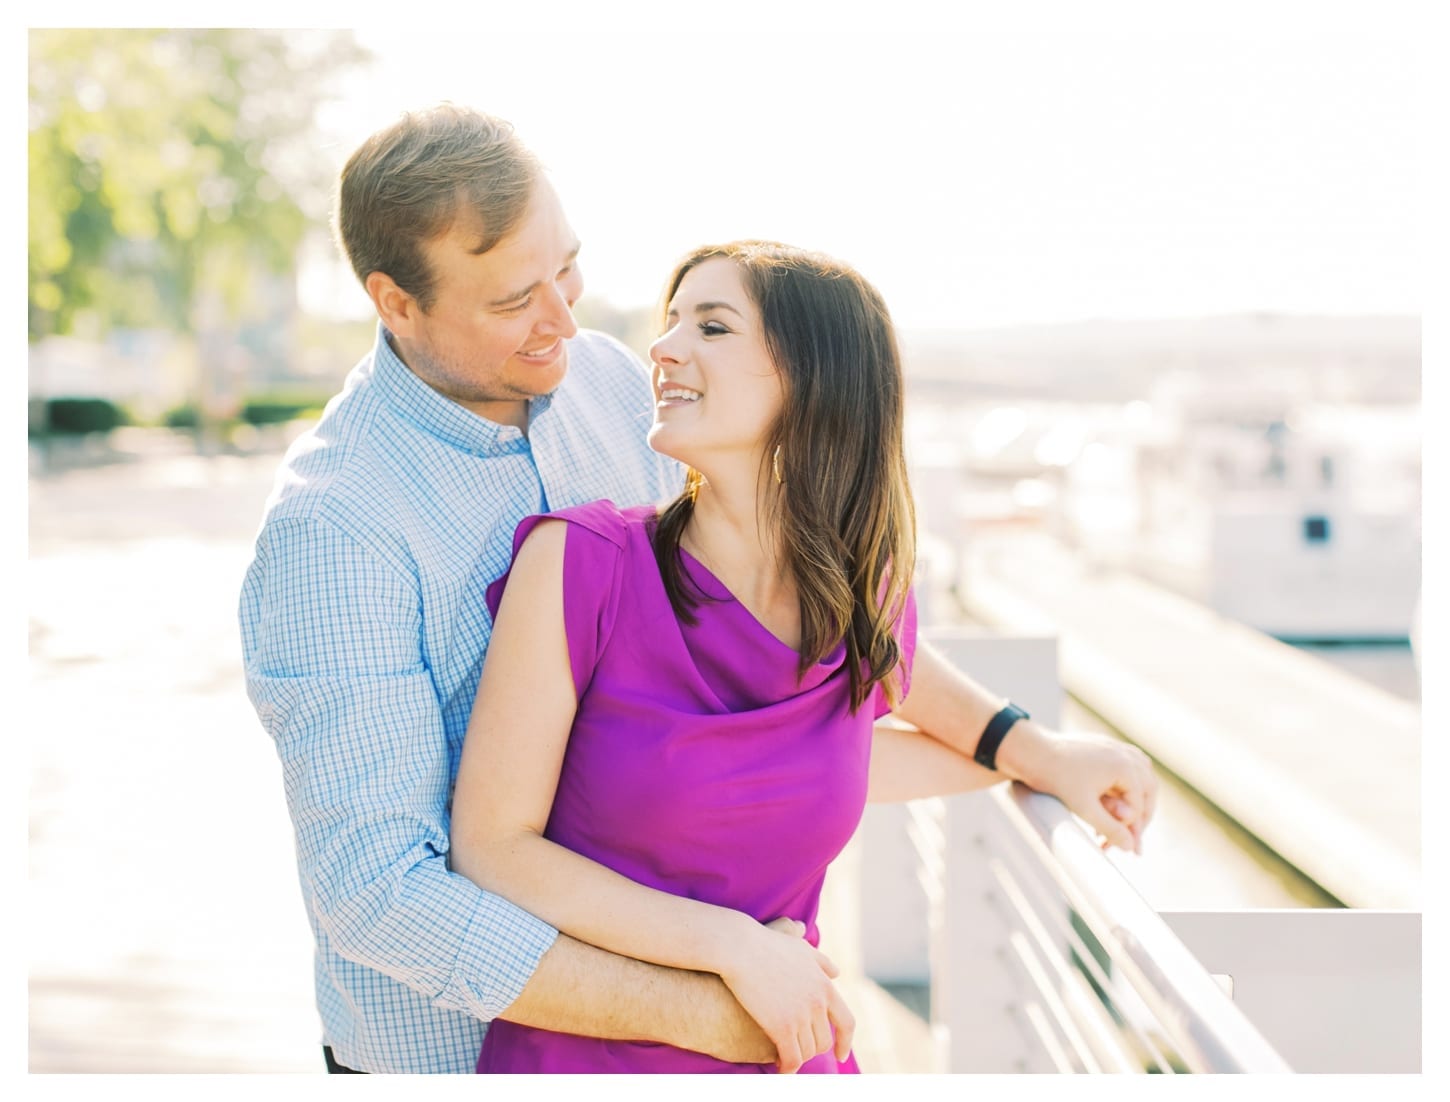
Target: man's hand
point(1107, 783)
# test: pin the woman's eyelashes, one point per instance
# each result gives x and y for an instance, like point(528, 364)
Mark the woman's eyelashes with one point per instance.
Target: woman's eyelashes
point(712, 328)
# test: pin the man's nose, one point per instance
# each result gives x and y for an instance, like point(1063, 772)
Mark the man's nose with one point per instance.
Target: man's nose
point(559, 315)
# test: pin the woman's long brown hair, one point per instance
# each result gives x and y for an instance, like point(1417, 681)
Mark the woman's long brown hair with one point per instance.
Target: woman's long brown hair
point(845, 520)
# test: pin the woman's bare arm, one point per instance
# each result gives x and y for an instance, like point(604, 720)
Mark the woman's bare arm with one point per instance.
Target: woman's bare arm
point(507, 779)
point(1110, 784)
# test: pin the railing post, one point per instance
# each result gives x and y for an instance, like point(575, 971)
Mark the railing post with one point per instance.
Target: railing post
point(976, 1006)
point(978, 1015)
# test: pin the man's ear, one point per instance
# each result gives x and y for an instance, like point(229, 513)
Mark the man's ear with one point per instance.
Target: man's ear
point(398, 310)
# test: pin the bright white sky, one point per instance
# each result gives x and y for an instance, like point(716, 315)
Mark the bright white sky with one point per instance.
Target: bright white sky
point(979, 179)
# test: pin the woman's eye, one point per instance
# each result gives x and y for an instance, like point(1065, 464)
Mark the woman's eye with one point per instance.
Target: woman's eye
point(712, 328)
point(517, 308)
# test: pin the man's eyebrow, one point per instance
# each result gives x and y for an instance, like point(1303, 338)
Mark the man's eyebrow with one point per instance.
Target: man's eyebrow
point(573, 254)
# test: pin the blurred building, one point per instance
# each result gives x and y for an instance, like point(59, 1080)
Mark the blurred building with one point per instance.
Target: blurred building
point(1359, 359)
point(150, 371)
point(1267, 467)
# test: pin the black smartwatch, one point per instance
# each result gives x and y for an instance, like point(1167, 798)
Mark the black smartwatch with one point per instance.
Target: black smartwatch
point(997, 728)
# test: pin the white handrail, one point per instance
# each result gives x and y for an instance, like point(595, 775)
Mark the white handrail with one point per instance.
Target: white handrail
point(1038, 952)
point(1208, 1031)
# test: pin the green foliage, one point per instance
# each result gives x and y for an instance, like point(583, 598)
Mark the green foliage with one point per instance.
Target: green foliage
point(184, 416)
point(167, 162)
point(74, 416)
point(274, 409)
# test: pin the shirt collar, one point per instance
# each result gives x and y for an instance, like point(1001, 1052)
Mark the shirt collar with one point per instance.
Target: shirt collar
point(441, 417)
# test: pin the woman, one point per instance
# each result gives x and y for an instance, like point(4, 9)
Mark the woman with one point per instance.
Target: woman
point(672, 733)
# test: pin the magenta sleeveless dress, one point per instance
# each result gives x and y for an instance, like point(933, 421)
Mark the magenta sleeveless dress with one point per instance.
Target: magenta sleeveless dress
point(698, 764)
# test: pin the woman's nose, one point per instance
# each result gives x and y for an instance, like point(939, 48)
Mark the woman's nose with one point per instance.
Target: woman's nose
point(664, 349)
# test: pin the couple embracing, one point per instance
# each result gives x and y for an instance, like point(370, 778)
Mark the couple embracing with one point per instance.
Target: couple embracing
point(573, 666)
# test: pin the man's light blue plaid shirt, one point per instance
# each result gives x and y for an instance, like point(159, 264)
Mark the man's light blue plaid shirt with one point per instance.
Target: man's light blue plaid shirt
point(364, 630)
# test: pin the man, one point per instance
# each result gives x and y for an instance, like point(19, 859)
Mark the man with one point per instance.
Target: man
point(364, 625)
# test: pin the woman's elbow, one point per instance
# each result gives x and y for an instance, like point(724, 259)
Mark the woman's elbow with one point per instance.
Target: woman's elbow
point(487, 857)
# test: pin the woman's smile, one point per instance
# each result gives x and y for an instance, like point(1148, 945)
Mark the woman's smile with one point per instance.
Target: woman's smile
point(672, 395)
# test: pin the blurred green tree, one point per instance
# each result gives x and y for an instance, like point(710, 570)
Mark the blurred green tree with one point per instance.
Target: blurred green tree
point(168, 162)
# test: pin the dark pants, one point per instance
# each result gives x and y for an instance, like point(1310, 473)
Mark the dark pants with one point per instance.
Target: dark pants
point(333, 1067)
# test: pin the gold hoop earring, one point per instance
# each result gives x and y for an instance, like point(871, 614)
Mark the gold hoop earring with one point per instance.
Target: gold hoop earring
point(775, 466)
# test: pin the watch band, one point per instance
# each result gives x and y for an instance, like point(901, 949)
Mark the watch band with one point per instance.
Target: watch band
point(997, 728)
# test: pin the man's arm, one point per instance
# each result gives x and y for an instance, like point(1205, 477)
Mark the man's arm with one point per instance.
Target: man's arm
point(334, 667)
point(332, 635)
point(1109, 784)
point(580, 989)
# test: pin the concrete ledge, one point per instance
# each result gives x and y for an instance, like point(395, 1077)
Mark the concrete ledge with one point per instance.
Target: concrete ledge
point(1286, 779)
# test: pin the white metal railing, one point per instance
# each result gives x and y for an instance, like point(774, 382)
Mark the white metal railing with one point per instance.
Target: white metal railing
point(1044, 959)
point(1041, 957)
point(1124, 993)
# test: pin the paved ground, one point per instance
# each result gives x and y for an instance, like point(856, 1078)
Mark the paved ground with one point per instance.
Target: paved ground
point(166, 931)
point(166, 925)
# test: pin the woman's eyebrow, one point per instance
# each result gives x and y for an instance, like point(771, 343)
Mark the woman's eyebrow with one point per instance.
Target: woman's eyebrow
point(704, 306)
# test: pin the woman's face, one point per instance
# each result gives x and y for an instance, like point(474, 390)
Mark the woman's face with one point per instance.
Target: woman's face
point(717, 392)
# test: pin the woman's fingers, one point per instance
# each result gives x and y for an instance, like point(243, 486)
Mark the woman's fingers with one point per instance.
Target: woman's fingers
point(827, 965)
point(821, 1034)
point(789, 1050)
point(826, 1027)
point(1133, 804)
point(1150, 797)
point(844, 1022)
point(1114, 821)
point(795, 1002)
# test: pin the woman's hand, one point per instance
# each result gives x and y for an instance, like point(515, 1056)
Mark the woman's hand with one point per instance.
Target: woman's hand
point(1108, 783)
point(784, 983)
